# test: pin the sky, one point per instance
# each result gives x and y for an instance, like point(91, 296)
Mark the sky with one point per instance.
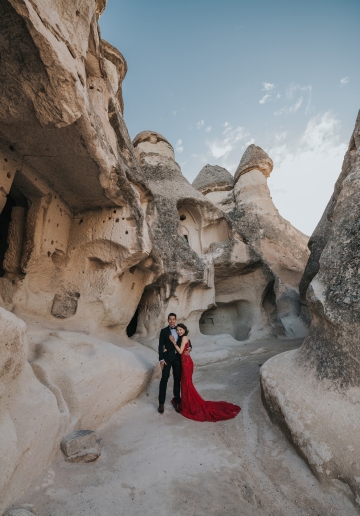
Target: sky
point(214, 76)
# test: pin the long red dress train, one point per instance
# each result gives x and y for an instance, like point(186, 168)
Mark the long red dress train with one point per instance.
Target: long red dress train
point(193, 406)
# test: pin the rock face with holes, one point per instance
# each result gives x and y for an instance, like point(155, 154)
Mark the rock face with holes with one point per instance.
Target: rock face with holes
point(314, 392)
point(75, 248)
point(191, 236)
point(279, 248)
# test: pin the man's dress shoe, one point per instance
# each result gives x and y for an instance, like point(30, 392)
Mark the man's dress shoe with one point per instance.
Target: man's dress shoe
point(178, 407)
point(161, 408)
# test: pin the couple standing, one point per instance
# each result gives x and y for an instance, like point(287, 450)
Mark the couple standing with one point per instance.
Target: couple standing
point(174, 353)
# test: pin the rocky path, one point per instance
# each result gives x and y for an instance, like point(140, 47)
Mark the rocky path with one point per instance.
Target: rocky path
point(167, 465)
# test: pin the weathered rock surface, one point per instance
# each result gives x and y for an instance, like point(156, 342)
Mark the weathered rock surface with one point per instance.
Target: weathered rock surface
point(279, 248)
point(18, 512)
point(101, 237)
point(75, 239)
point(77, 441)
point(30, 422)
point(81, 446)
point(254, 158)
point(213, 178)
point(315, 392)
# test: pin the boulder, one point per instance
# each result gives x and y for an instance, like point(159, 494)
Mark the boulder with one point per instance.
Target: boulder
point(30, 420)
point(81, 446)
point(77, 441)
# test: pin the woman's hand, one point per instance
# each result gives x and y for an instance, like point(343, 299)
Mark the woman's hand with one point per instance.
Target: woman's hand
point(172, 338)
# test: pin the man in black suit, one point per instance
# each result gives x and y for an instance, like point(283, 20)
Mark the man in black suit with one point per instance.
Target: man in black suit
point(169, 358)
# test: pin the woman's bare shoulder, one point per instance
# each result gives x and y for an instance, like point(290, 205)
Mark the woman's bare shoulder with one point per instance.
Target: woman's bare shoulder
point(185, 339)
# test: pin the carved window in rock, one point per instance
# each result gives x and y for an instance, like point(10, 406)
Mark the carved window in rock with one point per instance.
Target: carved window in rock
point(197, 234)
point(232, 318)
point(218, 231)
point(190, 222)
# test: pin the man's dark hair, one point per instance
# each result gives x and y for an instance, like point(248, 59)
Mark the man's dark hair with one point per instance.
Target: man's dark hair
point(172, 314)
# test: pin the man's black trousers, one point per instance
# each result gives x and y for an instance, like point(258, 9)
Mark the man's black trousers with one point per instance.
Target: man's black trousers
point(176, 367)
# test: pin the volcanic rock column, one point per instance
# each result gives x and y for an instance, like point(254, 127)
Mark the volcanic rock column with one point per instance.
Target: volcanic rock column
point(281, 246)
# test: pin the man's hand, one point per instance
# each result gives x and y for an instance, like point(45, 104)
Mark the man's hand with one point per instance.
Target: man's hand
point(162, 363)
point(187, 352)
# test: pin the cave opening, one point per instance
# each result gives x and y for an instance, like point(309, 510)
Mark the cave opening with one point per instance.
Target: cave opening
point(12, 223)
point(5, 219)
point(270, 307)
point(232, 318)
point(132, 326)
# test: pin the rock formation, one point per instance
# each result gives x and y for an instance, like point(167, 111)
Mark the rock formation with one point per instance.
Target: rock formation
point(278, 249)
point(314, 392)
point(101, 237)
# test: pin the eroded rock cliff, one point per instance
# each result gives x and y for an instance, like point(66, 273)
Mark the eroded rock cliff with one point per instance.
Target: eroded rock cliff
point(314, 392)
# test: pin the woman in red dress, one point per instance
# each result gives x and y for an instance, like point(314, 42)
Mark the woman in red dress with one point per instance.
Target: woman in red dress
point(193, 406)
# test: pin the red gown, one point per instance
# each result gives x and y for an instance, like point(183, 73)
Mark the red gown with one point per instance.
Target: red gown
point(193, 406)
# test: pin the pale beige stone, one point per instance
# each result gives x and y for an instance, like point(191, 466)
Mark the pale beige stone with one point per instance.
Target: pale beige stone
point(314, 392)
point(30, 422)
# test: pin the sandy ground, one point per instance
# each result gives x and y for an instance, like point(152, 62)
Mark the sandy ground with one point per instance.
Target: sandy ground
point(168, 465)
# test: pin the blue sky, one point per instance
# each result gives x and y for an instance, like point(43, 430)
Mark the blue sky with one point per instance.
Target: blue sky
point(213, 76)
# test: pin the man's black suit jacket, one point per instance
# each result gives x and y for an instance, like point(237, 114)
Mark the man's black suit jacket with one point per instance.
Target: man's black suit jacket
point(165, 343)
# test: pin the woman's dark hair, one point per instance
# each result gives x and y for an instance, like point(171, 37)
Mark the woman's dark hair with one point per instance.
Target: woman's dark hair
point(183, 327)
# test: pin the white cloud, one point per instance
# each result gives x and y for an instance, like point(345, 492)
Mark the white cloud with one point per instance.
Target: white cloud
point(200, 124)
point(296, 106)
point(294, 88)
point(267, 86)
point(291, 109)
point(221, 147)
point(280, 136)
point(278, 96)
point(252, 140)
point(179, 146)
point(306, 171)
point(344, 81)
point(208, 128)
point(228, 128)
point(174, 112)
point(292, 91)
point(321, 132)
point(264, 99)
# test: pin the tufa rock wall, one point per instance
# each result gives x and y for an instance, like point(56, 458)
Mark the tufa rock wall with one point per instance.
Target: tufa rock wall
point(314, 392)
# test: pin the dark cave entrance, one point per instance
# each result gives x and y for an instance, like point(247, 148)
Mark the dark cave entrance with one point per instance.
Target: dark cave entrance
point(270, 308)
point(5, 219)
point(131, 327)
point(14, 213)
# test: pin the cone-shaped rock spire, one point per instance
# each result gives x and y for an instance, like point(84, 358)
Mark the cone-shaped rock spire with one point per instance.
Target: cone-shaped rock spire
point(213, 178)
point(254, 158)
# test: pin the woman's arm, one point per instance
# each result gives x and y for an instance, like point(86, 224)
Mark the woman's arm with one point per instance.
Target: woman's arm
point(180, 349)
